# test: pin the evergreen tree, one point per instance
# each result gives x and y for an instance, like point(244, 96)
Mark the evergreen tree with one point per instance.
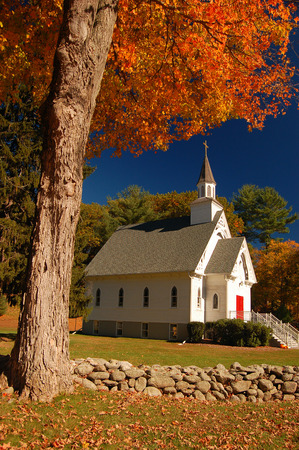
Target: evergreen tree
point(132, 205)
point(263, 211)
point(20, 149)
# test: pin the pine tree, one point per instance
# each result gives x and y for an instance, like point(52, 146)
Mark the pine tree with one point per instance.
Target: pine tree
point(20, 148)
point(263, 211)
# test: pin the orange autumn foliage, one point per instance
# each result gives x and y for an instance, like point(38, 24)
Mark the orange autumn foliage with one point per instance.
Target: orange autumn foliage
point(175, 68)
point(277, 271)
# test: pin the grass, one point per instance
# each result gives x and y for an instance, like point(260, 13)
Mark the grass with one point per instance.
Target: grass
point(97, 420)
point(101, 420)
point(148, 351)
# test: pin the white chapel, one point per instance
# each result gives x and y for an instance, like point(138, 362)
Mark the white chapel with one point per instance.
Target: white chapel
point(151, 279)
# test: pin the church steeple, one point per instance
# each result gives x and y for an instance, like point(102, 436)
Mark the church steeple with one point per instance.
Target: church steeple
point(206, 184)
point(204, 208)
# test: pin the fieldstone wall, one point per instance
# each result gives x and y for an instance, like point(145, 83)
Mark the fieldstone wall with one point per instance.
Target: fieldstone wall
point(255, 383)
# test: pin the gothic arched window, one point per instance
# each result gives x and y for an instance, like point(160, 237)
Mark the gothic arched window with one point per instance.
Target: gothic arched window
point(174, 297)
point(146, 298)
point(215, 301)
point(244, 266)
point(98, 297)
point(121, 298)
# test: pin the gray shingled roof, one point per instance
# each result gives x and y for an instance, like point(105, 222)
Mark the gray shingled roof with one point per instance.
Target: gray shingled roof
point(224, 256)
point(170, 245)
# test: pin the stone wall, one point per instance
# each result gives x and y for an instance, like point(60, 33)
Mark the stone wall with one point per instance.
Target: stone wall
point(255, 383)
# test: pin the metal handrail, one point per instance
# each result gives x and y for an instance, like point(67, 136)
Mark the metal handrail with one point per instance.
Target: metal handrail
point(285, 332)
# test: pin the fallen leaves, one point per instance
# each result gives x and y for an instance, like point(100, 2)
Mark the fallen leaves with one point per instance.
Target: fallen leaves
point(126, 421)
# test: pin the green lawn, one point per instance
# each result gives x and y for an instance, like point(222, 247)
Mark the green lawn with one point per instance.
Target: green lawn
point(132, 421)
point(148, 351)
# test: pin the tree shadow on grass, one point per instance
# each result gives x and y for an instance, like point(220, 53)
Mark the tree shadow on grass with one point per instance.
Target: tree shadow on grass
point(7, 337)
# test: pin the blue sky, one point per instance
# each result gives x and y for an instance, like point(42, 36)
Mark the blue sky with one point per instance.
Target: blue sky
point(265, 158)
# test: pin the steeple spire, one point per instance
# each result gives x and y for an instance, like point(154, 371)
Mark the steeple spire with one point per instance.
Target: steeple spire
point(206, 183)
point(204, 208)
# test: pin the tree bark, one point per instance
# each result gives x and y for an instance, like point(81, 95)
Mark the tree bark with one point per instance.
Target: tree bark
point(39, 363)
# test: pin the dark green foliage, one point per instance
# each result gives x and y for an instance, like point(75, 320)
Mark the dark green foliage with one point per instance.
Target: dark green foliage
point(235, 332)
point(20, 149)
point(195, 331)
point(3, 305)
point(283, 314)
point(263, 211)
point(132, 205)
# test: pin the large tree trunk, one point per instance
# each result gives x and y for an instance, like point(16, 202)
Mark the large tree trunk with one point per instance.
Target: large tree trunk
point(39, 364)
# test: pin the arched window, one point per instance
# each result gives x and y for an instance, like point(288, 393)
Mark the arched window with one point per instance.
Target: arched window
point(98, 297)
point(174, 297)
point(198, 298)
point(215, 301)
point(121, 298)
point(244, 266)
point(146, 298)
point(209, 191)
point(202, 191)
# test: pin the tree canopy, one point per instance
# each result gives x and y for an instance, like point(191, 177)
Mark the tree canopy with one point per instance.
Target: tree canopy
point(175, 68)
point(263, 211)
point(139, 75)
point(277, 271)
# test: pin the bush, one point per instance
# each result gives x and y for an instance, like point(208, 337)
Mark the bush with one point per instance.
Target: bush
point(195, 331)
point(237, 333)
point(209, 330)
point(265, 335)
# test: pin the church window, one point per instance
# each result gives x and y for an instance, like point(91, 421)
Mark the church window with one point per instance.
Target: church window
point(119, 328)
point(144, 330)
point(244, 266)
point(98, 297)
point(96, 326)
point(174, 297)
point(121, 298)
point(209, 191)
point(173, 331)
point(198, 304)
point(146, 298)
point(202, 191)
point(215, 301)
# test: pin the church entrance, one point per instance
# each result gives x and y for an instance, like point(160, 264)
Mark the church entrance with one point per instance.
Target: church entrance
point(240, 307)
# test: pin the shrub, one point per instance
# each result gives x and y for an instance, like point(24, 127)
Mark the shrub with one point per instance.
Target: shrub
point(235, 332)
point(251, 334)
point(265, 335)
point(209, 330)
point(195, 331)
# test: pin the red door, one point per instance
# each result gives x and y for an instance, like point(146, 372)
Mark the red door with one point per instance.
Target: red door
point(240, 307)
